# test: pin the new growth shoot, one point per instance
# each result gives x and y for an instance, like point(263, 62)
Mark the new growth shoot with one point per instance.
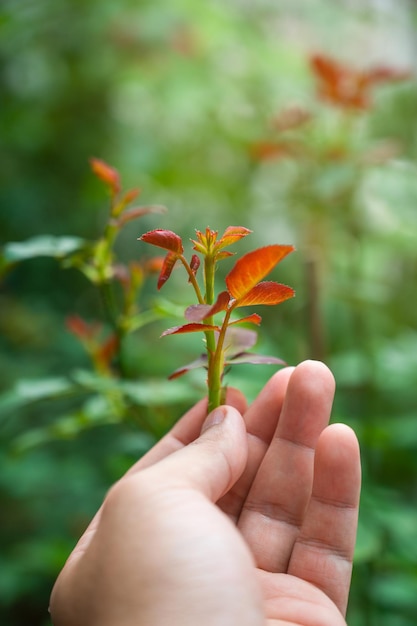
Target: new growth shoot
point(225, 343)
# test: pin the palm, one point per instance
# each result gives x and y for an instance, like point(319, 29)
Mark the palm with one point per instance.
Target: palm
point(296, 602)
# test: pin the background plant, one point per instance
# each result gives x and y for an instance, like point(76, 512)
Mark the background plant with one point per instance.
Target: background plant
point(178, 95)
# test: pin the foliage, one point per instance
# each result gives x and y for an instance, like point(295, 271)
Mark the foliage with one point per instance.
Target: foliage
point(238, 112)
point(225, 345)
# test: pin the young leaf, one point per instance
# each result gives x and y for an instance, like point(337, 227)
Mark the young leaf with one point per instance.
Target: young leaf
point(164, 239)
point(249, 319)
point(166, 269)
point(200, 362)
point(253, 267)
point(232, 234)
point(189, 328)
point(135, 212)
point(198, 312)
point(249, 357)
point(239, 340)
point(107, 174)
point(268, 293)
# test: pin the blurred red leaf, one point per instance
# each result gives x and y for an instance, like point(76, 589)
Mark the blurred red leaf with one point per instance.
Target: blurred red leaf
point(83, 330)
point(253, 267)
point(267, 293)
point(107, 351)
point(198, 312)
point(135, 212)
point(154, 265)
point(166, 269)
point(164, 239)
point(265, 150)
point(348, 87)
point(107, 174)
point(290, 118)
point(189, 328)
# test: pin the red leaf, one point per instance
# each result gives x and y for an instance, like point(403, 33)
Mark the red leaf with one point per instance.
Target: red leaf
point(166, 269)
point(248, 357)
point(200, 362)
point(189, 328)
point(135, 212)
point(254, 266)
point(339, 84)
point(250, 319)
point(382, 74)
point(107, 174)
point(194, 265)
point(230, 235)
point(264, 150)
point(82, 329)
point(268, 293)
point(198, 312)
point(107, 350)
point(164, 239)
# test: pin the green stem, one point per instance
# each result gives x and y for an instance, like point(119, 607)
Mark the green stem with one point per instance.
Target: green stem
point(214, 374)
point(216, 368)
point(193, 280)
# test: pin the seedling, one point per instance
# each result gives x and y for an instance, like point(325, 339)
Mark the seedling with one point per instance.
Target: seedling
point(225, 344)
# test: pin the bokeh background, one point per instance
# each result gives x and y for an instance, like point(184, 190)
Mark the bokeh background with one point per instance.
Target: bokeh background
point(219, 111)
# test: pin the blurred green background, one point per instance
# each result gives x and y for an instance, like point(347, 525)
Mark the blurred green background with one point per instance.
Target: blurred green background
point(215, 111)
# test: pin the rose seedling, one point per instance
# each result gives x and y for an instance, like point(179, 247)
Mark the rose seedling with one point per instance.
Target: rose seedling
point(225, 344)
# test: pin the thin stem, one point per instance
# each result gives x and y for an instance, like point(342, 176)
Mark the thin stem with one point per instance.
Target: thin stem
point(192, 278)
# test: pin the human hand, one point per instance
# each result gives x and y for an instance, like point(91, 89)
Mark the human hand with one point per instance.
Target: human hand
point(252, 523)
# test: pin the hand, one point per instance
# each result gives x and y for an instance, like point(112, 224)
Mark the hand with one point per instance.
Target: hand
point(251, 523)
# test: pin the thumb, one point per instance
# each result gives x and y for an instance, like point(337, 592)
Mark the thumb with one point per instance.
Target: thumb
point(212, 463)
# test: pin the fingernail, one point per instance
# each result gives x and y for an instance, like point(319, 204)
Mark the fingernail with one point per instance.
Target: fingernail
point(216, 417)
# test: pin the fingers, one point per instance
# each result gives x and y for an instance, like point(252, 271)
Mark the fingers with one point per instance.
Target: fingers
point(212, 463)
point(261, 420)
point(275, 506)
point(186, 430)
point(323, 551)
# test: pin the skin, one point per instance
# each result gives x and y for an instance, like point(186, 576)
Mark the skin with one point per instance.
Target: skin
point(250, 523)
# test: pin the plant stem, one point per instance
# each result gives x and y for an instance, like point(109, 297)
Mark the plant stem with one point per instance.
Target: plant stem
point(216, 368)
point(192, 278)
point(214, 374)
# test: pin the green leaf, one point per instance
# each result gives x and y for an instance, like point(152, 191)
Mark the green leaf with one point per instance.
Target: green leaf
point(26, 392)
point(44, 245)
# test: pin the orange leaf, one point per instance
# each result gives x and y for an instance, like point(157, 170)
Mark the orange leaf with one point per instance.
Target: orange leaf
point(166, 269)
point(82, 329)
point(264, 150)
point(189, 328)
point(164, 239)
point(339, 84)
point(268, 293)
point(106, 173)
point(230, 235)
point(254, 318)
point(253, 267)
